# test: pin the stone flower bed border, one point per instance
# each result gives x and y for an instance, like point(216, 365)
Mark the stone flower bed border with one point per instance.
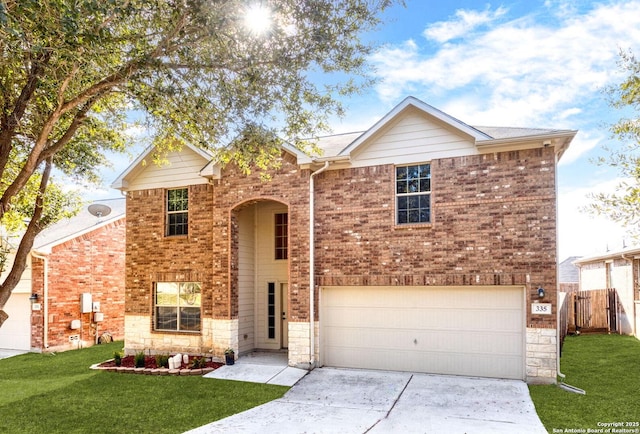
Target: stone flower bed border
point(151, 368)
point(153, 371)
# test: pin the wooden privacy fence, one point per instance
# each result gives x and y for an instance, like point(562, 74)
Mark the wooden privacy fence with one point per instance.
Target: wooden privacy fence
point(594, 311)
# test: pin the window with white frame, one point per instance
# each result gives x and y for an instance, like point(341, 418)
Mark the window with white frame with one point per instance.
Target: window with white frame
point(178, 211)
point(413, 194)
point(177, 306)
point(281, 235)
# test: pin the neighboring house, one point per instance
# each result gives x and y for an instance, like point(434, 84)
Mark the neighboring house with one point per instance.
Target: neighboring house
point(76, 256)
point(569, 275)
point(428, 240)
point(619, 270)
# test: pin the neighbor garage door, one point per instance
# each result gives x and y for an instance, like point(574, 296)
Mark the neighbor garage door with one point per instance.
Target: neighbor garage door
point(15, 333)
point(475, 331)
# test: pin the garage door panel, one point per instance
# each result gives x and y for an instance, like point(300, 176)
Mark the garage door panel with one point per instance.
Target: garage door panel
point(506, 344)
point(447, 318)
point(422, 329)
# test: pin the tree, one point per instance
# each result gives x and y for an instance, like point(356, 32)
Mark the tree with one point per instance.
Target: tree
point(624, 205)
point(195, 71)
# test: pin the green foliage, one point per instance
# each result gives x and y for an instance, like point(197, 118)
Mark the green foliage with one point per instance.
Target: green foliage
point(50, 385)
point(138, 359)
point(162, 360)
point(624, 205)
point(188, 71)
point(117, 357)
point(198, 362)
point(606, 367)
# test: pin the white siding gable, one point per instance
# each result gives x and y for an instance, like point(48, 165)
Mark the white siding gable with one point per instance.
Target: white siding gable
point(183, 169)
point(413, 136)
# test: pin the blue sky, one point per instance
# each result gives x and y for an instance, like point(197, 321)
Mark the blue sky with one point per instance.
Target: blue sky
point(515, 63)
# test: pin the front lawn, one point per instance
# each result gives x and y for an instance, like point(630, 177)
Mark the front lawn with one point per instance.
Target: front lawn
point(607, 367)
point(58, 393)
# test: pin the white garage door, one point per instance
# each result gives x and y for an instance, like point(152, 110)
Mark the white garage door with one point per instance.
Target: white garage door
point(15, 333)
point(475, 331)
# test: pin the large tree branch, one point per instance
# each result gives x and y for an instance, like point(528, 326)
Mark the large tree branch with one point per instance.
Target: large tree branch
point(163, 47)
point(33, 229)
point(44, 151)
point(86, 98)
point(10, 122)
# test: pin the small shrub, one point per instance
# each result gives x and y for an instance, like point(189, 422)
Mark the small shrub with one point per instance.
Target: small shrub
point(138, 360)
point(162, 360)
point(117, 358)
point(198, 363)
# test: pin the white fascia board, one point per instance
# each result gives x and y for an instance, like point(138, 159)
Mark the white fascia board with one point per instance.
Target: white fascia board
point(120, 182)
point(628, 253)
point(559, 140)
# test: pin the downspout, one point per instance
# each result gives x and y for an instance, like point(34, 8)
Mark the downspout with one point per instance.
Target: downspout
point(312, 263)
point(45, 296)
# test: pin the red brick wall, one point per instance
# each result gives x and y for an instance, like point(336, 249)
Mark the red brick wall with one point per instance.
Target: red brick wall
point(493, 223)
point(152, 257)
point(93, 263)
point(205, 255)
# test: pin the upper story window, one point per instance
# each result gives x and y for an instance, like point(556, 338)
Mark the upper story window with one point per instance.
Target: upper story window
point(177, 306)
point(178, 211)
point(413, 194)
point(281, 235)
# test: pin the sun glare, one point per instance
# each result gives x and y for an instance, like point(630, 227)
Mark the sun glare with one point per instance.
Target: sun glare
point(257, 19)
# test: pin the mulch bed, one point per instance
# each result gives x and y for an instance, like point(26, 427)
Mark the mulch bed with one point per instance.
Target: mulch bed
point(150, 362)
point(127, 366)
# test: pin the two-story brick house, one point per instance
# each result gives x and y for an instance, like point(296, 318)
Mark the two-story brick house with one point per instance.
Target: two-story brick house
point(428, 239)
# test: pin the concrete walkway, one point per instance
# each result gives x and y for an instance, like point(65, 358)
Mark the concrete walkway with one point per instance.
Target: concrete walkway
point(260, 367)
point(330, 400)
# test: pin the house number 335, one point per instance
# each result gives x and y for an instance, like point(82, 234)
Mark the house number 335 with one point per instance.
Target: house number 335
point(541, 308)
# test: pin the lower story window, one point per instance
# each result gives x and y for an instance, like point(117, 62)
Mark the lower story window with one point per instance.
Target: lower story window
point(177, 306)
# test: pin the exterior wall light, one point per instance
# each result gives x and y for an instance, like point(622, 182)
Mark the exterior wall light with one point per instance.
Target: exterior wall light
point(540, 292)
point(33, 298)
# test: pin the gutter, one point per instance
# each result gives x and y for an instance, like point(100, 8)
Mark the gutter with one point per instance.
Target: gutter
point(312, 263)
point(45, 296)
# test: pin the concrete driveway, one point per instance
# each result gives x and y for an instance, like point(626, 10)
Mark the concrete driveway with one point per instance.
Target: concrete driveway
point(330, 400)
point(5, 354)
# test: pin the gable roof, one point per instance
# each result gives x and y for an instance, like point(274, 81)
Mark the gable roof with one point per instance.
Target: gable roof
point(341, 146)
point(139, 163)
point(349, 148)
point(78, 225)
point(425, 108)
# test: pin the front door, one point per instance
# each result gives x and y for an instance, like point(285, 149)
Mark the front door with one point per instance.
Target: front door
point(284, 308)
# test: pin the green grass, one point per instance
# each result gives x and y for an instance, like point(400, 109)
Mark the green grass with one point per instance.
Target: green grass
point(45, 393)
point(607, 367)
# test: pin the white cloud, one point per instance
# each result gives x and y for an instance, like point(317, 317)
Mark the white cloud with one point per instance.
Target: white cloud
point(463, 23)
point(582, 143)
point(580, 233)
point(521, 72)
